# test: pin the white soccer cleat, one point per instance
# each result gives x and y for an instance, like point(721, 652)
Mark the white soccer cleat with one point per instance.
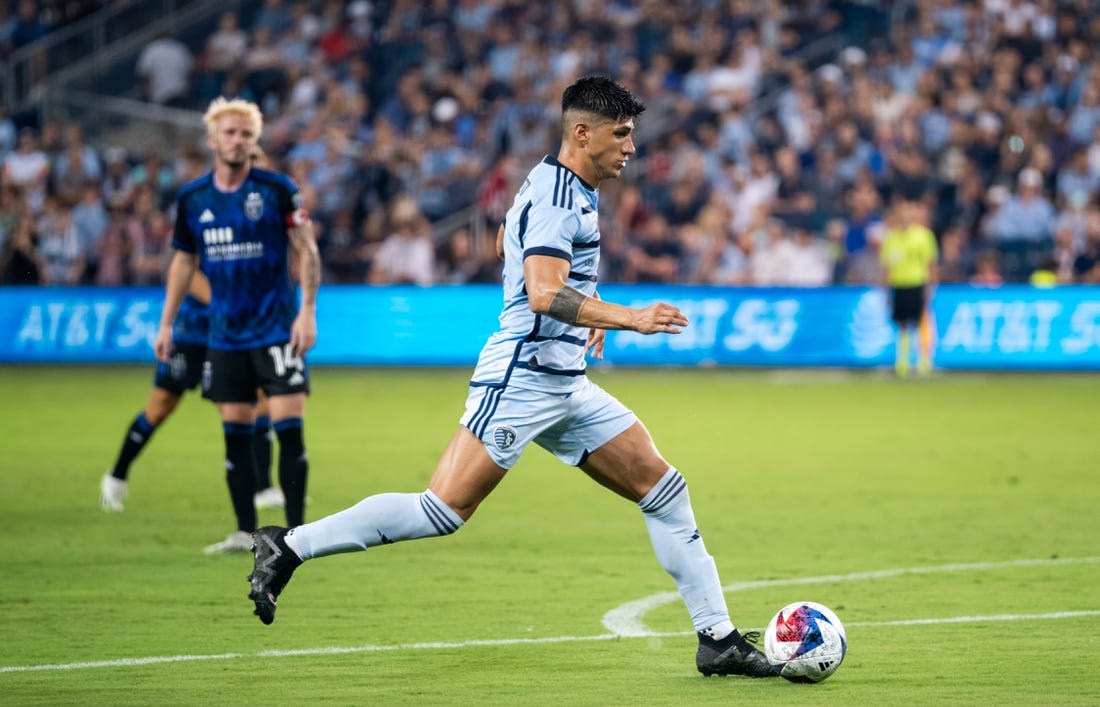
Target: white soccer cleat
point(112, 492)
point(271, 497)
point(237, 541)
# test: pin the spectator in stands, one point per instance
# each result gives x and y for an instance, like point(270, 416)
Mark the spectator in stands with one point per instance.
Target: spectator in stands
point(987, 270)
point(1066, 250)
point(346, 256)
point(655, 253)
point(11, 209)
point(164, 66)
point(1086, 268)
point(441, 168)
point(60, 249)
point(227, 46)
point(153, 172)
point(112, 254)
point(274, 18)
point(28, 168)
point(407, 255)
point(266, 77)
point(20, 263)
point(117, 185)
point(27, 28)
point(956, 255)
point(90, 221)
point(1023, 227)
point(75, 167)
point(7, 131)
point(458, 263)
point(149, 235)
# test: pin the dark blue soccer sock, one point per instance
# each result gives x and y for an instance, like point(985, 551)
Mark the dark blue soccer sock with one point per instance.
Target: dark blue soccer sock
point(261, 442)
point(240, 472)
point(136, 438)
point(293, 468)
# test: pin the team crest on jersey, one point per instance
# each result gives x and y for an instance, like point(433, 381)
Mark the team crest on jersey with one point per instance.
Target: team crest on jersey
point(504, 436)
point(254, 206)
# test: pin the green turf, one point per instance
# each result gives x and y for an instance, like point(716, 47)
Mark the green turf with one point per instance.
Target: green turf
point(793, 475)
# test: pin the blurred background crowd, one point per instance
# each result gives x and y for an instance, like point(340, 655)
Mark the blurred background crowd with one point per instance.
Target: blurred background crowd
point(780, 143)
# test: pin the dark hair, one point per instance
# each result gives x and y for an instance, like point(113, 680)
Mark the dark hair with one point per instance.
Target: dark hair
point(602, 96)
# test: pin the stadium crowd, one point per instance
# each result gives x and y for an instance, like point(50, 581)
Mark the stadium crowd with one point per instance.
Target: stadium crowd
point(761, 160)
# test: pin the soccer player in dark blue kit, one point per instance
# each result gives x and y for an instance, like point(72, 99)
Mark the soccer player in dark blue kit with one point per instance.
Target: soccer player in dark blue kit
point(170, 381)
point(239, 224)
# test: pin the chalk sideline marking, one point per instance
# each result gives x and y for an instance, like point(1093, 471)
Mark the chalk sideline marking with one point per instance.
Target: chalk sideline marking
point(631, 618)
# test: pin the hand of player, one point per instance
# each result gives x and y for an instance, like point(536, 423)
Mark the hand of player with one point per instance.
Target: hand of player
point(303, 333)
point(659, 318)
point(594, 347)
point(162, 347)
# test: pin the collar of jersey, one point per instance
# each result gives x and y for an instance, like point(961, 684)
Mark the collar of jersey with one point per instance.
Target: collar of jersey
point(553, 161)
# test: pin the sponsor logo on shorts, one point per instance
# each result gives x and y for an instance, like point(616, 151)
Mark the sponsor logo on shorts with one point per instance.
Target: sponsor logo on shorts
point(178, 366)
point(207, 374)
point(504, 436)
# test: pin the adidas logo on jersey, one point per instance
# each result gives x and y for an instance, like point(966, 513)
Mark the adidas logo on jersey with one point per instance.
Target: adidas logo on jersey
point(207, 216)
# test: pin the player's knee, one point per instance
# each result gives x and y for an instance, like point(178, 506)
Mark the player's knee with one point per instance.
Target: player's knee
point(160, 407)
point(444, 517)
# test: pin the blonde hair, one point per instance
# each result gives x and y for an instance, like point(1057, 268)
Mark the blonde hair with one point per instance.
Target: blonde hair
point(221, 106)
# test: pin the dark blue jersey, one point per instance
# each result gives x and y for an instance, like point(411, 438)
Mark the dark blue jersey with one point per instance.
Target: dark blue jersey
point(192, 325)
point(244, 250)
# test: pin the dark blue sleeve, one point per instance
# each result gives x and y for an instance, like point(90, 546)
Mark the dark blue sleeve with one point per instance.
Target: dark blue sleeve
point(183, 238)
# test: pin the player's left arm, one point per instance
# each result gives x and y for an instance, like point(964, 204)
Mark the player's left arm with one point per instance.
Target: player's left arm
point(303, 332)
point(500, 242)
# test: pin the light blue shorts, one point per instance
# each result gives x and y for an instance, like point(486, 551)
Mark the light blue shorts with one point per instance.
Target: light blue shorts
point(568, 425)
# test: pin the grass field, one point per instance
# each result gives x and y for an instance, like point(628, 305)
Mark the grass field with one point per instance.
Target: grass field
point(951, 523)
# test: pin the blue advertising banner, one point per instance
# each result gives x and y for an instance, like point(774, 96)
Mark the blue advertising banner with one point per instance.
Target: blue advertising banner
point(1011, 327)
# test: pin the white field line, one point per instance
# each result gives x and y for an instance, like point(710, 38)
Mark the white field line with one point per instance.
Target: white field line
point(338, 650)
point(626, 619)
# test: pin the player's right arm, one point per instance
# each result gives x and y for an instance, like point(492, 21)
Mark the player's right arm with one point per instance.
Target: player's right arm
point(548, 293)
point(180, 273)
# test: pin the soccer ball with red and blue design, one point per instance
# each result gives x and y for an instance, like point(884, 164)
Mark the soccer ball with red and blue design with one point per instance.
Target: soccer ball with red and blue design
point(806, 640)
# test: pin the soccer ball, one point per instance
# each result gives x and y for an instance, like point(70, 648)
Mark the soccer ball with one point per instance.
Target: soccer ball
point(806, 640)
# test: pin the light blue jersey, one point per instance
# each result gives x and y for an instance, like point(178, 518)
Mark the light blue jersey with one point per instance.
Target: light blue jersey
point(553, 214)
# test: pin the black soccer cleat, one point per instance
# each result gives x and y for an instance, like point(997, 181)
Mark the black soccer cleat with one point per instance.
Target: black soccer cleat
point(732, 655)
point(274, 564)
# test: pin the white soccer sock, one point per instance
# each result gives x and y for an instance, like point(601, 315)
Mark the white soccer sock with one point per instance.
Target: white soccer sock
point(376, 520)
point(680, 550)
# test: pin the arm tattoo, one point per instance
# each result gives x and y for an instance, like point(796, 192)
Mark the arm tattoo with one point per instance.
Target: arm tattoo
point(566, 305)
point(309, 270)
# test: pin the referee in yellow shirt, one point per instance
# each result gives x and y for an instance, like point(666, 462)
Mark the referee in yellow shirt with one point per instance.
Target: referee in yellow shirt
point(909, 255)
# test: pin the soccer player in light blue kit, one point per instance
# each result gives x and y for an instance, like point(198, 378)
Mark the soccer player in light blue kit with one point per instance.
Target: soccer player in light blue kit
point(530, 386)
